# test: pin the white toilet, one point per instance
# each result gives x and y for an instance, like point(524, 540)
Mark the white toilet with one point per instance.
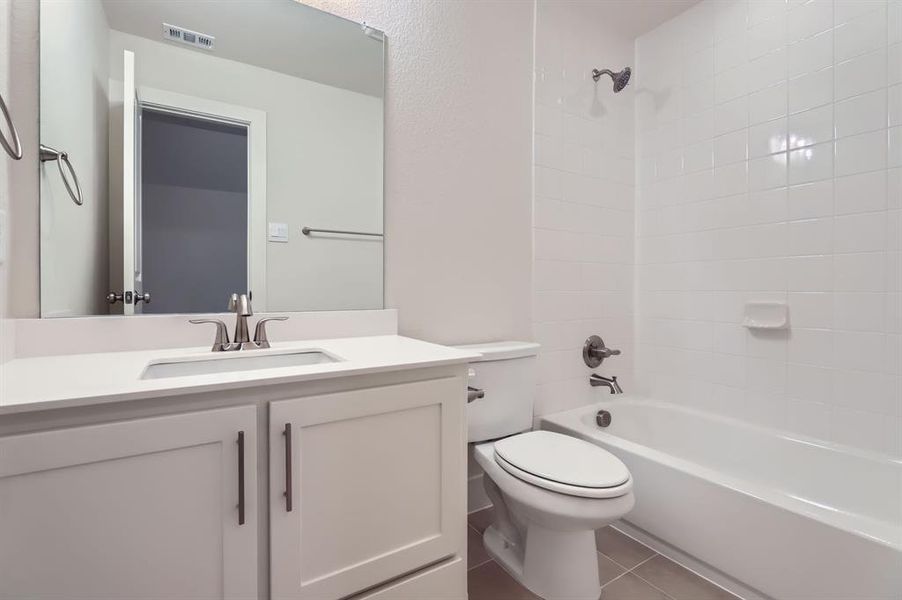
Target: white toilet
point(550, 491)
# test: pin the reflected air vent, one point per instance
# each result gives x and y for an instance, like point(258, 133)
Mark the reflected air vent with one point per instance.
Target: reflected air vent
point(186, 36)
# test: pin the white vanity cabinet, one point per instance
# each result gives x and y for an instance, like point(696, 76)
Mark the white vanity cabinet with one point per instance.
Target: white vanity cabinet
point(147, 508)
point(367, 486)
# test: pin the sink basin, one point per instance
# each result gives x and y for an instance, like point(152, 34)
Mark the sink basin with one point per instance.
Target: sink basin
point(231, 362)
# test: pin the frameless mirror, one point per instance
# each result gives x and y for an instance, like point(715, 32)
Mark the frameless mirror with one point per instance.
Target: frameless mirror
point(191, 150)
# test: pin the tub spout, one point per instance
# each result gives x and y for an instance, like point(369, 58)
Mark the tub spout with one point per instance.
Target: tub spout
point(596, 380)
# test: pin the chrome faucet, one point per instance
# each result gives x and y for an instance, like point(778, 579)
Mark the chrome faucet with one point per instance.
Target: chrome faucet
point(596, 380)
point(241, 306)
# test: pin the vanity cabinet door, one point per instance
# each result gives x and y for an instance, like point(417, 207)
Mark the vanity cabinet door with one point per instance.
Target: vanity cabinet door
point(365, 486)
point(142, 509)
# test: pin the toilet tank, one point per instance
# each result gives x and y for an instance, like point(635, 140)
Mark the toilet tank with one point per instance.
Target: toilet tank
point(507, 374)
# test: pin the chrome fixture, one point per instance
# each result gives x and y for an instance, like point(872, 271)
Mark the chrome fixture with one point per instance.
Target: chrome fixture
point(15, 149)
point(241, 306)
point(603, 418)
point(620, 78)
point(50, 154)
point(594, 351)
point(596, 380)
point(474, 394)
point(309, 230)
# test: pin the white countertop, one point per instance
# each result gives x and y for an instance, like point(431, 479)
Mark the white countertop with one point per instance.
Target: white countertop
point(41, 383)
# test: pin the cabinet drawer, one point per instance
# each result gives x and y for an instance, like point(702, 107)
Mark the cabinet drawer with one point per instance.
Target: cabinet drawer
point(445, 581)
point(375, 480)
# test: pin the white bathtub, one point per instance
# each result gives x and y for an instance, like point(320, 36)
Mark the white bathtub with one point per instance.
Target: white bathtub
point(788, 517)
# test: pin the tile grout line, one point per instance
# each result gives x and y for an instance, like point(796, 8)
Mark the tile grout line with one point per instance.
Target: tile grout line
point(625, 570)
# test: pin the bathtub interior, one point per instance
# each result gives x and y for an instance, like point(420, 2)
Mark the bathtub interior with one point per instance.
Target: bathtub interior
point(844, 487)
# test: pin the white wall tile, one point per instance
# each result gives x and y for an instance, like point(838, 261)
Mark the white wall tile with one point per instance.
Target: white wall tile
point(731, 148)
point(810, 200)
point(810, 19)
point(767, 104)
point(861, 35)
point(731, 115)
point(789, 182)
point(860, 153)
point(811, 236)
point(810, 55)
point(861, 114)
point(767, 138)
point(865, 192)
point(861, 74)
point(811, 90)
point(811, 127)
point(864, 232)
point(813, 163)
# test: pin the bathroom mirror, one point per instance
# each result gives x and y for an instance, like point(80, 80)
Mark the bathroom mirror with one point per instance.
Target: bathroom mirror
point(190, 150)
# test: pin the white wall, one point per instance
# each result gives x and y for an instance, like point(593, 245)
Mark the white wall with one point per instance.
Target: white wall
point(6, 326)
point(458, 147)
point(584, 202)
point(74, 119)
point(727, 214)
point(324, 169)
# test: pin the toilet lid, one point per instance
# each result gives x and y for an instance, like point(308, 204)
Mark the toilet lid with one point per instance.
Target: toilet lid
point(561, 459)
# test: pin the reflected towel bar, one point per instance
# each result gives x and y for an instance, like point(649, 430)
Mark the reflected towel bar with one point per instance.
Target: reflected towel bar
point(309, 230)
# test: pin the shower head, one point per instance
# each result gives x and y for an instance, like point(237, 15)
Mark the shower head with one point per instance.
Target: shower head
point(620, 79)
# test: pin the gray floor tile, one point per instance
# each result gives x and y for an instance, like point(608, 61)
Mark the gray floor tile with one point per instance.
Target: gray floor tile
point(481, 519)
point(630, 587)
point(491, 582)
point(679, 582)
point(607, 569)
point(620, 548)
point(476, 552)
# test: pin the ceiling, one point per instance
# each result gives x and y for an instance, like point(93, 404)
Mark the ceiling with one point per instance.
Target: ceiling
point(635, 17)
point(280, 35)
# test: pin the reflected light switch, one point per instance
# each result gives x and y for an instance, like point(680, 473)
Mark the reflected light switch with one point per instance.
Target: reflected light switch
point(278, 232)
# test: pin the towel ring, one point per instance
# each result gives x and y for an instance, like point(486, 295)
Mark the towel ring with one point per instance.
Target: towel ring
point(47, 153)
point(14, 151)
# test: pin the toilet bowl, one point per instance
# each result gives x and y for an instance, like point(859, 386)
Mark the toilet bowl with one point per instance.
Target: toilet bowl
point(550, 491)
point(546, 515)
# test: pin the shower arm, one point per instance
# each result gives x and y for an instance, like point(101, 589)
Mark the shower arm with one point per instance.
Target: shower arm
point(596, 74)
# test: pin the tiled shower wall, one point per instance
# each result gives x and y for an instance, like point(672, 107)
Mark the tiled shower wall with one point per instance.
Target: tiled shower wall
point(584, 202)
point(769, 140)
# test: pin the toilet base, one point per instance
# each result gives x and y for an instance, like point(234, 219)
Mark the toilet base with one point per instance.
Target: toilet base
point(556, 565)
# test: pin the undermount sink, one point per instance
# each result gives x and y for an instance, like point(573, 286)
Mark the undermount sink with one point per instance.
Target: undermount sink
point(228, 363)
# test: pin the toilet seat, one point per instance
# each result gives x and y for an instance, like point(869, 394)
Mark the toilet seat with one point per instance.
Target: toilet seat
point(563, 464)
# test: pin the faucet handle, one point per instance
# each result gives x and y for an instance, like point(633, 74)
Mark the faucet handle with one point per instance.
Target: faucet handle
point(260, 338)
point(222, 333)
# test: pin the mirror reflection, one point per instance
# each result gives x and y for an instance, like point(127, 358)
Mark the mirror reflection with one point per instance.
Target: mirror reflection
point(192, 150)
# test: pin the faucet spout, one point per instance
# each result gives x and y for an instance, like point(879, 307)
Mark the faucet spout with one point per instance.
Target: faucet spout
point(242, 307)
point(596, 380)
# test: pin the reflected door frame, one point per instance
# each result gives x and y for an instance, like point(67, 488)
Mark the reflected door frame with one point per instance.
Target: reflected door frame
point(255, 122)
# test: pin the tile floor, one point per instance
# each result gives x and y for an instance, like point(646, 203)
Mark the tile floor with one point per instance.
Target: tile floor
point(628, 571)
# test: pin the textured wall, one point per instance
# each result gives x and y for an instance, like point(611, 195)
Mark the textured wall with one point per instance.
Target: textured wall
point(458, 152)
point(770, 144)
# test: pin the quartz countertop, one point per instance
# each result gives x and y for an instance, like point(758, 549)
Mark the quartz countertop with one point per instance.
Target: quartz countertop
point(48, 382)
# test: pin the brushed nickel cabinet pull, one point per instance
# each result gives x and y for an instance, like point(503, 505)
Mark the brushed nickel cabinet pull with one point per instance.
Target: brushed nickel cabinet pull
point(287, 434)
point(13, 147)
point(241, 478)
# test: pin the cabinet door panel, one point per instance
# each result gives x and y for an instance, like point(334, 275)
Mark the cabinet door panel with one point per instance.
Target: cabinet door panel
point(377, 486)
point(143, 509)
